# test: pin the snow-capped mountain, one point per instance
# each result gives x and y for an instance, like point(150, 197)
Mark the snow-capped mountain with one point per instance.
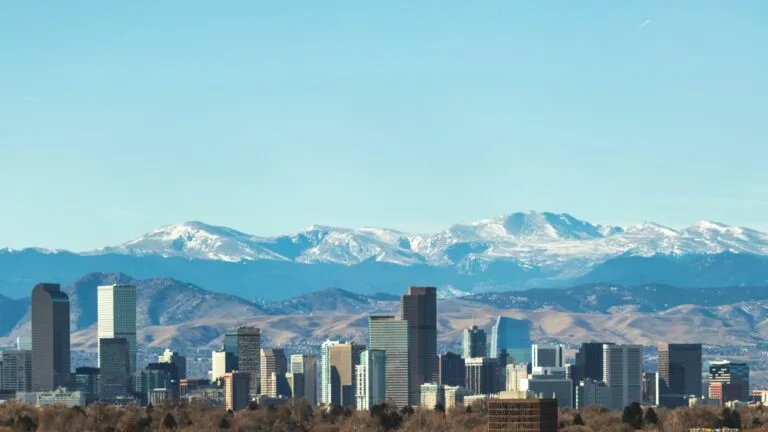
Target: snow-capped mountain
point(532, 239)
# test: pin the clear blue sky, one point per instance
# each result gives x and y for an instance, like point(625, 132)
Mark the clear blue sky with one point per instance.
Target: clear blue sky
point(269, 116)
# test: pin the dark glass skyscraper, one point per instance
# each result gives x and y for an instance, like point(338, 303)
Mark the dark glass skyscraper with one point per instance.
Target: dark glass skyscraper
point(50, 337)
point(249, 355)
point(419, 308)
point(679, 370)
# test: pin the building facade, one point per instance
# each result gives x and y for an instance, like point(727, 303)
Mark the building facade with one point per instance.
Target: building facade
point(117, 318)
point(542, 356)
point(178, 360)
point(736, 374)
point(237, 390)
point(591, 393)
point(338, 372)
point(679, 370)
point(249, 356)
point(623, 372)
point(473, 343)
point(482, 375)
point(392, 336)
point(16, 370)
point(419, 308)
point(306, 366)
point(50, 338)
point(523, 415)
point(515, 376)
point(451, 369)
point(274, 366)
point(114, 374)
point(432, 396)
point(371, 379)
point(512, 335)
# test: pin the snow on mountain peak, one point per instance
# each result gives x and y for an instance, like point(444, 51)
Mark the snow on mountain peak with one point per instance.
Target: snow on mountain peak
point(530, 239)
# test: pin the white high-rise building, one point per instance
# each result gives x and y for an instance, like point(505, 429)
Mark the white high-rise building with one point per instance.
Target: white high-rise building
point(516, 377)
point(218, 365)
point(117, 317)
point(623, 374)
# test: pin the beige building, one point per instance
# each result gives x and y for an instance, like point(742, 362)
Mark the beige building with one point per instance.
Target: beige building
point(237, 390)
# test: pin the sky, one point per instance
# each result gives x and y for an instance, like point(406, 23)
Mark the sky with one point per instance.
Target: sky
point(268, 117)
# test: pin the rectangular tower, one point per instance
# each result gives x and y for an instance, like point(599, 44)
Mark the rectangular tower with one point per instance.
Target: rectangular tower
point(679, 370)
point(249, 355)
point(50, 337)
point(623, 374)
point(117, 317)
point(114, 373)
point(419, 308)
point(392, 336)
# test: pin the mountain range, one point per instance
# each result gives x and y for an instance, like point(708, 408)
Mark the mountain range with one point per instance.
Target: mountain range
point(516, 251)
point(186, 317)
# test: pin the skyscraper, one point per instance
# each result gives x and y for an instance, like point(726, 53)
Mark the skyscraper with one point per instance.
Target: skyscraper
point(514, 335)
point(392, 336)
point(249, 355)
point(114, 374)
point(734, 375)
point(589, 361)
point(173, 357)
point(623, 374)
point(547, 356)
point(338, 372)
point(451, 370)
point(274, 366)
point(50, 337)
point(117, 318)
point(419, 308)
point(306, 366)
point(515, 374)
point(679, 370)
point(473, 343)
point(220, 362)
point(371, 379)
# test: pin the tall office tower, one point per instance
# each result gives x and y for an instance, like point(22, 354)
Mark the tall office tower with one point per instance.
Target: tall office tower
point(306, 366)
point(473, 343)
point(451, 369)
point(419, 308)
point(237, 390)
point(514, 335)
point(679, 371)
point(16, 370)
point(173, 357)
point(589, 361)
point(392, 336)
point(117, 317)
point(371, 379)
point(274, 366)
point(50, 337)
point(547, 356)
point(515, 375)
point(115, 370)
point(623, 372)
point(483, 375)
point(249, 355)
point(590, 393)
point(734, 375)
point(338, 372)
